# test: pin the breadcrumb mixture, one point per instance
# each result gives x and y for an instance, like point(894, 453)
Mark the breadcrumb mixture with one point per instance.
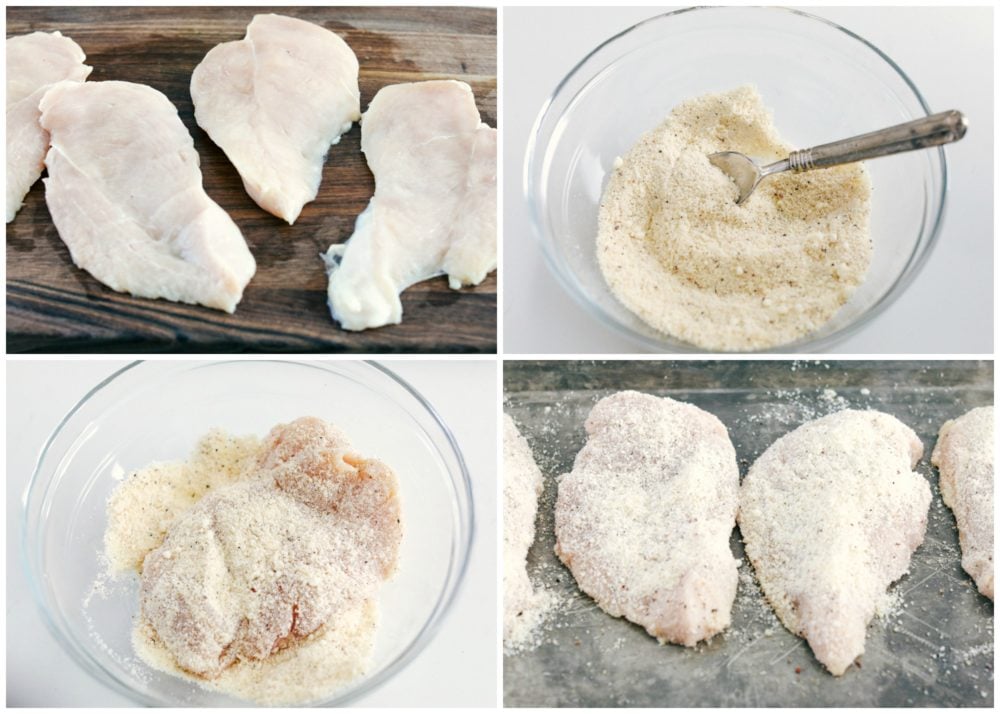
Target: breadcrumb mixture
point(678, 252)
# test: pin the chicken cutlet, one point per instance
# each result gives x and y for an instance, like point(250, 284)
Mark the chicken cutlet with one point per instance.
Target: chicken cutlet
point(302, 544)
point(643, 521)
point(964, 457)
point(523, 605)
point(35, 62)
point(830, 514)
point(434, 208)
point(275, 102)
point(125, 193)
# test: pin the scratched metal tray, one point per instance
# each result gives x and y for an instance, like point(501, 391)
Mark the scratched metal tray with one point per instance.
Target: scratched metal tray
point(933, 648)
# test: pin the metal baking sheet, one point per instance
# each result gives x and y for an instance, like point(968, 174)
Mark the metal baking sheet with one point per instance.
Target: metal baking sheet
point(933, 648)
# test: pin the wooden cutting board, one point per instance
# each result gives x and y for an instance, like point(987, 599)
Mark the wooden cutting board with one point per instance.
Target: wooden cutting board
point(54, 306)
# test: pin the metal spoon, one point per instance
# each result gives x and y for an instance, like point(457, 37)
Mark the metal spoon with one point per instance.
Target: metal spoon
point(932, 130)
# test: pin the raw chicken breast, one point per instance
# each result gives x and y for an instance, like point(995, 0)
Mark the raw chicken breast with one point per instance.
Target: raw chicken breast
point(964, 457)
point(275, 102)
point(124, 190)
point(434, 209)
point(261, 564)
point(830, 514)
point(644, 519)
point(34, 63)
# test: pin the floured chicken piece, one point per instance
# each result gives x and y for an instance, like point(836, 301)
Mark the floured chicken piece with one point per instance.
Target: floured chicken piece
point(643, 521)
point(434, 208)
point(34, 63)
point(275, 102)
point(263, 564)
point(964, 457)
point(124, 190)
point(830, 515)
point(523, 605)
point(142, 510)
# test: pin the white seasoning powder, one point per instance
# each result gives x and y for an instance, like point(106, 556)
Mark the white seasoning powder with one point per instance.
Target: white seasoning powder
point(678, 252)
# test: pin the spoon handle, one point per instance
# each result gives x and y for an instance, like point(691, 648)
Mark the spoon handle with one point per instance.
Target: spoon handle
point(933, 130)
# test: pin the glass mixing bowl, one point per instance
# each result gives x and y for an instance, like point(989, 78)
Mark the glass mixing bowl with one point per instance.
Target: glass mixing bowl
point(156, 411)
point(822, 82)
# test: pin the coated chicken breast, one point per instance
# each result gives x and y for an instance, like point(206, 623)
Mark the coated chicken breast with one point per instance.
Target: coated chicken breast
point(265, 562)
point(830, 515)
point(644, 519)
point(964, 457)
point(522, 485)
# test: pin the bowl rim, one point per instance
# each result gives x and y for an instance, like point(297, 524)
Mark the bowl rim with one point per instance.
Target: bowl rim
point(534, 153)
point(455, 577)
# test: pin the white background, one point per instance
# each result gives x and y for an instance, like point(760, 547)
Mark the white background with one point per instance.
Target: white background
point(946, 51)
point(457, 668)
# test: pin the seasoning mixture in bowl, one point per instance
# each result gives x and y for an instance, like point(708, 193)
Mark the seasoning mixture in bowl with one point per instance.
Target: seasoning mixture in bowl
point(260, 562)
point(678, 252)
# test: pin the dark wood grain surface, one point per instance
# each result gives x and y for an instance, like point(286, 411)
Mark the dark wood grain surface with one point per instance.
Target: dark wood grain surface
point(53, 306)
